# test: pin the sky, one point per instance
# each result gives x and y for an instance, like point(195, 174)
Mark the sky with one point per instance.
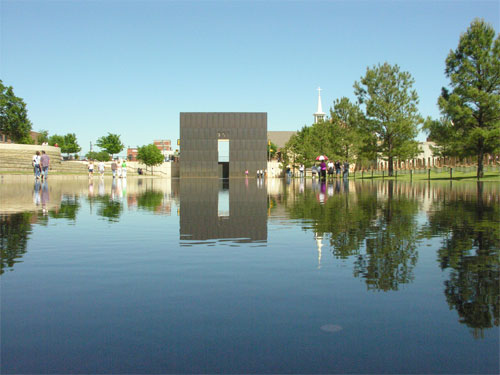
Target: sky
point(130, 67)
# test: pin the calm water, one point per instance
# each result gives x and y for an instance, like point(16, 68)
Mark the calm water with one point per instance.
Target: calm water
point(201, 276)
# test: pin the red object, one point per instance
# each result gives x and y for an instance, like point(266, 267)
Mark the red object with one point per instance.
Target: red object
point(322, 157)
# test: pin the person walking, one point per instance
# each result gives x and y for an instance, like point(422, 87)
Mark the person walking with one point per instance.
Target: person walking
point(90, 167)
point(44, 162)
point(322, 167)
point(35, 162)
point(114, 167)
point(119, 169)
point(124, 168)
point(101, 168)
point(301, 170)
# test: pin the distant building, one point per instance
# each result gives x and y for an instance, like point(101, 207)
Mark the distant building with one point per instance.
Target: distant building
point(34, 136)
point(164, 145)
point(132, 154)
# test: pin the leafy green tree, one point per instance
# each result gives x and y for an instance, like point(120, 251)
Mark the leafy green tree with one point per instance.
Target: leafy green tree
point(56, 140)
point(70, 144)
point(100, 156)
point(14, 122)
point(43, 136)
point(150, 155)
point(347, 119)
point(272, 149)
point(471, 110)
point(111, 143)
point(391, 112)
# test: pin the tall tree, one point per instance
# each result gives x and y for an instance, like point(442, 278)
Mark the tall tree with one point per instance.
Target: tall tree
point(111, 143)
point(346, 118)
point(391, 112)
point(70, 144)
point(14, 122)
point(150, 155)
point(471, 123)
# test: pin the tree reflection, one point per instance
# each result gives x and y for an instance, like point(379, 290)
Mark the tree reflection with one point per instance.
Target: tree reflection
point(15, 230)
point(470, 251)
point(385, 229)
point(68, 209)
point(150, 200)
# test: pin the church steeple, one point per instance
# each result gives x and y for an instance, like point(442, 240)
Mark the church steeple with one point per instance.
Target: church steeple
point(319, 116)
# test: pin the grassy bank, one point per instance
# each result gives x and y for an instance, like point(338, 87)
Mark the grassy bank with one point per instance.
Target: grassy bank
point(425, 176)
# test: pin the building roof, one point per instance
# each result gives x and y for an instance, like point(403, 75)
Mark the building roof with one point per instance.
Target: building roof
point(280, 138)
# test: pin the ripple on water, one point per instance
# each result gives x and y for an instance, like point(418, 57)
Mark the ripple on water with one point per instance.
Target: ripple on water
point(331, 328)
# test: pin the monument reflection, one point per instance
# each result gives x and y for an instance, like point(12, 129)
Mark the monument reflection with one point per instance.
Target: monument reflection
point(217, 209)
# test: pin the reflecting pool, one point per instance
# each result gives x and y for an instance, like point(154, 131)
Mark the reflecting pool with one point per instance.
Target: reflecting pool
point(248, 276)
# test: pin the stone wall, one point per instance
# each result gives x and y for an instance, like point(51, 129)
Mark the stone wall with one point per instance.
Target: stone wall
point(17, 158)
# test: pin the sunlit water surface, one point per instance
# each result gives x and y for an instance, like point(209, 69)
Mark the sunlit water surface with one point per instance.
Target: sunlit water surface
point(248, 276)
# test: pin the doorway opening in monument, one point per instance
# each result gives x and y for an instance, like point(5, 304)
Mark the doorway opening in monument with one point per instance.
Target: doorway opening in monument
point(223, 148)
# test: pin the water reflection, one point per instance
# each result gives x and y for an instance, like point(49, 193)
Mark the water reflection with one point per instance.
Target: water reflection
point(468, 225)
point(379, 228)
point(15, 230)
point(213, 209)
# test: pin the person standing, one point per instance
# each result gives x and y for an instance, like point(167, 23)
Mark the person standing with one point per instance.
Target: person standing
point(44, 162)
point(114, 167)
point(101, 168)
point(330, 169)
point(322, 167)
point(301, 170)
point(337, 168)
point(346, 169)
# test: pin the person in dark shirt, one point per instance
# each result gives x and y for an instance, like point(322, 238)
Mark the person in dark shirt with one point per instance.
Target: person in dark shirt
point(346, 169)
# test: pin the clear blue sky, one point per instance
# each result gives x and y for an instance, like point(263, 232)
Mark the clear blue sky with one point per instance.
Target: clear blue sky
point(129, 67)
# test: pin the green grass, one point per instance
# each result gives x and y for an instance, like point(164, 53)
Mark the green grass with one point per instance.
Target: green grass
point(434, 176)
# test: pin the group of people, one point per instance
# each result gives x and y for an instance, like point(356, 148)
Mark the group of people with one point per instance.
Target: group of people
point(118, 168)
point(261, 173)
point(40, 163)
point(329, 169)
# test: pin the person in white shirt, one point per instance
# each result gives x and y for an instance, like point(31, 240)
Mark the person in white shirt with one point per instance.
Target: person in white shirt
point(101, 168)
point(35, 162)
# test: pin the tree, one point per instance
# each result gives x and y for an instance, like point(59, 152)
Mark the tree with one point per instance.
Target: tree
point(14, 122)
point(99, 156)
point(56, 140)
point(391, 112)
point(43, 136)
point(272, 148)
point(67, 143)
point(70, 145)
point(471, 110)
point(150, 155)
point(111, 143)
point(347, 119)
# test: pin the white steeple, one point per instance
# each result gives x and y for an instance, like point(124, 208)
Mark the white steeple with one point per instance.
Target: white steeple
point(319, 116)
